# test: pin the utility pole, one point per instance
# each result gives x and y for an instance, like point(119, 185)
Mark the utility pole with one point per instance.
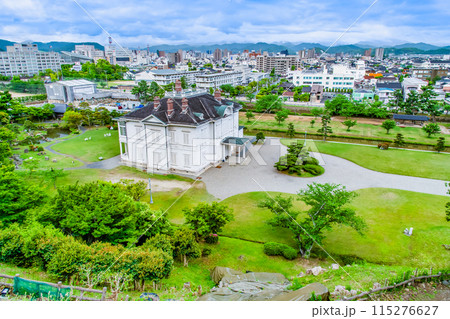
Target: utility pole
point(150, 189)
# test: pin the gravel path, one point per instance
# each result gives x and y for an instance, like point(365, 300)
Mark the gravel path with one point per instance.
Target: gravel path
point(260, 175)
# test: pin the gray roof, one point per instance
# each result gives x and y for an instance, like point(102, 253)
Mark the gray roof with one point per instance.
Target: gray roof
point(410, 117)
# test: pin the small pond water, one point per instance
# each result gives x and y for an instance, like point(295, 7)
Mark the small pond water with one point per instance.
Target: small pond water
point(56, 132)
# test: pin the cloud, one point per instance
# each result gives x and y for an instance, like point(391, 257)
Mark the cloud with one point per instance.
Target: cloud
point(134, 22)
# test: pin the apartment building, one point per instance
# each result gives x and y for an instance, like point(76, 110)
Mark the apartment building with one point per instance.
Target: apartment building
point(89, 51)
point(26, 59)
point(215, 80)
point(281, 64)
point(429, 73)
point(167, 76)
point(339, 77)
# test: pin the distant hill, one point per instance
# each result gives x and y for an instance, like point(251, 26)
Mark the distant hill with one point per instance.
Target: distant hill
point(420, 46)
point(54, 45)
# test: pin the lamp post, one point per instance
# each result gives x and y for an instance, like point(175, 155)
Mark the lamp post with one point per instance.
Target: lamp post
point(150, 189)
point(305, 137)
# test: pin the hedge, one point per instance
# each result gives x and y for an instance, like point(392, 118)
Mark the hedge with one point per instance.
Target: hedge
point(278, 249)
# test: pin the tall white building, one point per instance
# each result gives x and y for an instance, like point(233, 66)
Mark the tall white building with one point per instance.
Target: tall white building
point(167, 76)
point(25, 59)
point(184, 133)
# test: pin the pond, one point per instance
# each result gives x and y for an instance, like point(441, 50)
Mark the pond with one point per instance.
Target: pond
point(56, 132)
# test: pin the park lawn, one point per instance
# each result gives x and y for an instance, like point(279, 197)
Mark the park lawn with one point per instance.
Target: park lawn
point(386, 211)
point(394, 161)
point(61, 160)
point(410, 134)
point(91, 150)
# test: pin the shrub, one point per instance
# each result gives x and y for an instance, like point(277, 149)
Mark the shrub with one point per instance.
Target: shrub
point(212, 239)
point(313, 169)
point(40, 149)
point(272, 249)
point(55, 125)
point(383, 146)
point(159, 241)
point(289, 252)
point(206, 252)
point(311, 160)
point(277, 249)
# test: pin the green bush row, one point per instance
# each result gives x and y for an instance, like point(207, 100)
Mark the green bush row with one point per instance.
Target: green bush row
point(278, 249)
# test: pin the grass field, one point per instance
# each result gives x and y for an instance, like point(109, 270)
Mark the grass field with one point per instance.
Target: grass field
point(91, 150)
point(411, 134)
point(387, 212)
point(394, 161)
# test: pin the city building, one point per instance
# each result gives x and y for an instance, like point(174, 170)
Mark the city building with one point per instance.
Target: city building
point(361, 94)
point(26, 59)
point(428, 73)
point(385, 90)
point(67, 91)
point(217, 55)
point(379, 54)
point(183, 133)
point(412, 84)
point(215, 80)
point(281, 64)
point(167, 76)
point(89, 51)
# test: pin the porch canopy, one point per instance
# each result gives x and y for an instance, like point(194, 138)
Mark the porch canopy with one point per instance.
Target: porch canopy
point(236, 146)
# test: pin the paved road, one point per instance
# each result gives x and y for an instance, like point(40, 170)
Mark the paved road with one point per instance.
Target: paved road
point(260, 175)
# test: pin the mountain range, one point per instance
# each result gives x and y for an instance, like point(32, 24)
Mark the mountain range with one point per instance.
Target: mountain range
point(292, 48)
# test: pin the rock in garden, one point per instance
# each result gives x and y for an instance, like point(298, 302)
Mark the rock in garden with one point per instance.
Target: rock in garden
point(316, 271)
point(187, 285)
point(339, 288)
point(302, 274)
point(54, 161)
point(353, 292)
point(334, 266)
point(46, 158)
point(26, 150)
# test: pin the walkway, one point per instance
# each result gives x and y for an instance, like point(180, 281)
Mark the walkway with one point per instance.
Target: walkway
point(260, 175)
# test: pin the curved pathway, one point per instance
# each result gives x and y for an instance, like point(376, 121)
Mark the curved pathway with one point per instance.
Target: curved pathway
point(109, 163)
point(260, 175)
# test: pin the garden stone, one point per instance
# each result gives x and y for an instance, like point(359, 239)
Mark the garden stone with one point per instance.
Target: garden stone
point(334, 266)
point(302, 274)
point(187, 285)
point(54, 161)
point(26, 150)
point(46, 158)
point(353, 292)
point(315, 271)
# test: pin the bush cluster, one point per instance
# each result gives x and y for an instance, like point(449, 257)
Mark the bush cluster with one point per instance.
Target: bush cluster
point(277, 249)
point(298, 161)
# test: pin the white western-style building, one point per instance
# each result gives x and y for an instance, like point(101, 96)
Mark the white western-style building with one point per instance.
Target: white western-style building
point(215, 80)
point(183, 133)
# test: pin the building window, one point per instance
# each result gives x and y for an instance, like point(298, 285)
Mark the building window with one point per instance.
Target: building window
point(124, 148)
point(123, 129)
point(173, 158)
point(186, 138)
point(187, 160)
point(172, 136)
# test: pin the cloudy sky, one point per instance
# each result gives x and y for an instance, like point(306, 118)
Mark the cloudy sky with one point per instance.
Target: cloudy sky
point(142, 22)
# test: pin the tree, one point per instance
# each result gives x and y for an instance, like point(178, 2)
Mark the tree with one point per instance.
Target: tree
point(272, 73)
point(5, 153)
point(328, 207)
point(316, 111)
point(205, 219)
point(249, 115)
point(17, 196)
point(388, 125)
point(431, 129)
point(447, 206)
point(336, 105)
point(440, 145)
point(73, 119)
point(250, 97)
point(184, 245)
point(349, 123)
point(411, 105)
point(6, 135)
point(4, 118)
point(102, 211)
point(141, 91)
point(399, 140)
point(268, 103)
point(5, 101)
point(428, 103)
point(312, 122)
point(291, 130)
point(326, 119)
point(281, 115)
point(184, 84)
point(260, 136)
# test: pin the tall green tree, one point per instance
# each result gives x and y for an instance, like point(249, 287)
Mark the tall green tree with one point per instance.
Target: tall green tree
point(291, 130)
point(388, 125)
point(349, 123)
point(281, 116)
point(325, 129)
point(184, 245)
point(268, 103)
point(431, 129)
point(440, 145)
point(428, 103)
point(205, 219)
point(249, 115)
point(328, 206)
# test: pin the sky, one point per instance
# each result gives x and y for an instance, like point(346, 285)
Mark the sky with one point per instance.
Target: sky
point(136, 23)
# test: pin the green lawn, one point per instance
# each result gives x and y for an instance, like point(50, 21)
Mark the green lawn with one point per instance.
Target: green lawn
point(411, 134)
point(387, 212)
point(91, 150)
point(394, 161)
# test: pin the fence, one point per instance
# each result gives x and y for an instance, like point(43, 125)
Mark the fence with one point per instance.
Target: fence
point(412, 279)
point(59, 286)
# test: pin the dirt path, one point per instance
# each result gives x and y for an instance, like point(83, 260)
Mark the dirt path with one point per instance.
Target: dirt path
point(157, 185)
point(299, 118)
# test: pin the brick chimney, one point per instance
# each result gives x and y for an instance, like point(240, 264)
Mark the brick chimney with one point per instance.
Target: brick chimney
point(178, 87)
point(170, 107)
point(156, 103)
point(184, 105)
point(218, 95)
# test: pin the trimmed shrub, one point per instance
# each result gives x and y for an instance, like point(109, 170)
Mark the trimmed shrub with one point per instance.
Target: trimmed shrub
point(383, 146)
point(206, 252)
point(212, 239)
point(313, 169)
point(55, 125)
point(311, 160)
point(40, 149)
point(272, 249)
point(289, 252)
